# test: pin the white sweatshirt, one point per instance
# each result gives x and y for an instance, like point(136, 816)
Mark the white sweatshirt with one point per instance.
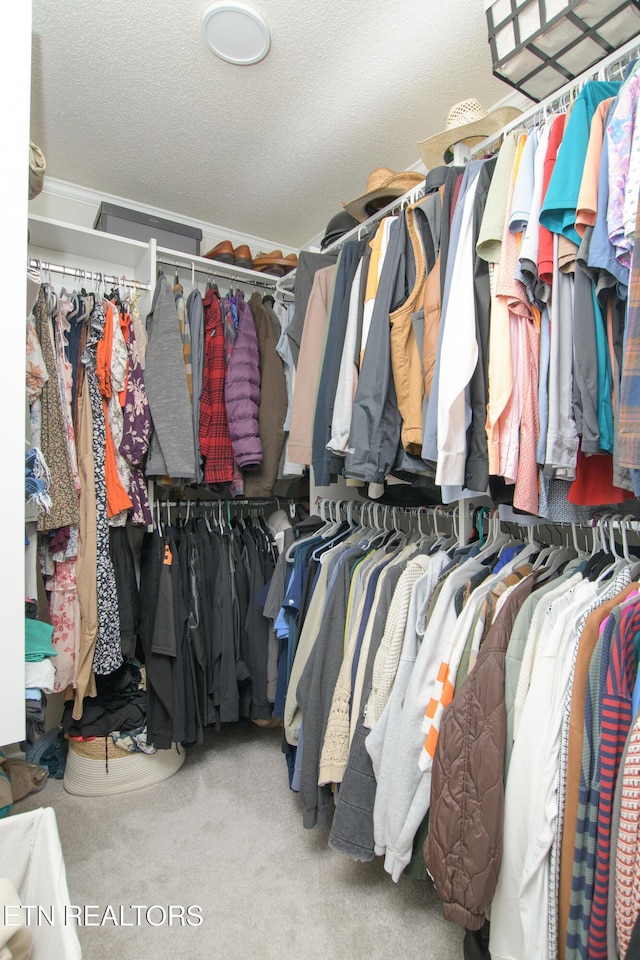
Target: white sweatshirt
point(385, 667)
point(519, 911)
point(458, 355)
point(394, 745)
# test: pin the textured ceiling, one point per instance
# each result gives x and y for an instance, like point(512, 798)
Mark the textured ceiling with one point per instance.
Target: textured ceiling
point(128, 100)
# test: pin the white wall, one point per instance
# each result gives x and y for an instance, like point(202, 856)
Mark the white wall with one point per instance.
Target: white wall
point(15, 82)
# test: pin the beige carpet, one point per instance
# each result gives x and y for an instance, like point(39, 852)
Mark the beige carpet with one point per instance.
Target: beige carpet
point(225, 833)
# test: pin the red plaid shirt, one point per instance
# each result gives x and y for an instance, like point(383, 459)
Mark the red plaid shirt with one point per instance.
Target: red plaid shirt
point(215, 442)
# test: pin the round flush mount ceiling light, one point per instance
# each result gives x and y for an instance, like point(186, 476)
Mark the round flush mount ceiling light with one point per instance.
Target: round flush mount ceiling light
point(236, 32)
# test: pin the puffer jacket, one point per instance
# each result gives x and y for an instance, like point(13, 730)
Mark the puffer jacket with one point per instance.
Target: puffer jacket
point(242, 391)
point(463, 850)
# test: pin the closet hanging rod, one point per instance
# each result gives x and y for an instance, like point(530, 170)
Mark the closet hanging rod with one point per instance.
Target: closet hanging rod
point(212, 273)
point(440, 510)
point(237, 501)
point(91, 276)
point(364, 228)
point(610, 68)
point(232, 502)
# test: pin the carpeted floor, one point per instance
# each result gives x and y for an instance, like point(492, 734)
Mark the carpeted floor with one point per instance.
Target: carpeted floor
point(225, 833)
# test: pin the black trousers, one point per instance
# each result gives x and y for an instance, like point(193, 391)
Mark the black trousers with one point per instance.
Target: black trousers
point(156, 619)
point(127, 589)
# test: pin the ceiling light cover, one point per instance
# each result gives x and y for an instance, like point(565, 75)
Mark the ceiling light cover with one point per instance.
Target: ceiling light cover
point(236, 32)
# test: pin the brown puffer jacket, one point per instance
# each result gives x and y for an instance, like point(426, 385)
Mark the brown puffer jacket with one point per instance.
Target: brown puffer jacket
point(463, 850)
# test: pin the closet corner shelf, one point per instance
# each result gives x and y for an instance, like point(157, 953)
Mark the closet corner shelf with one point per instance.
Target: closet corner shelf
point(83, 241)
point(214, 267)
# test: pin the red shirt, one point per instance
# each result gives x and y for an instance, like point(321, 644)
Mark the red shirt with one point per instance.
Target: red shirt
point(545, 246)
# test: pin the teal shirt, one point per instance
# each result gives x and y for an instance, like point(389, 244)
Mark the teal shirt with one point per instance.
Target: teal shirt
point(605, 380)
point(558, 212)
point(37, 640)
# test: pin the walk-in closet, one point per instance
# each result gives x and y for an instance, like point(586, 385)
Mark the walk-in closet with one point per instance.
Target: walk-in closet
point(321, 473)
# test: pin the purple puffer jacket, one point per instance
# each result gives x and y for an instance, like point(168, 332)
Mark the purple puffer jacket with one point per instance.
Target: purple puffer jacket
point(242, 391)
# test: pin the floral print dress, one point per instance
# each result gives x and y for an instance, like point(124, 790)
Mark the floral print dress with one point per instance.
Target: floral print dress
point(137, 429)
point(108, 654)
point(53, 441)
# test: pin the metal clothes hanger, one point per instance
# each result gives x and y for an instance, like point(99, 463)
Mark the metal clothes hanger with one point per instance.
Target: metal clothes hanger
point(383, 536)
point(440, 538)
point(546, 554)
point(635, 569)
point(580, 551)
point(331, 526)
point(554, 562)
point(618, 563)
point(374, 532)
point(496, 537)
point(321, 504)
point(452, 539)
point(423, 538)
point(396, 535)
point(159, 526)
point(335, 535)
point(624, 526)
point(595, 534)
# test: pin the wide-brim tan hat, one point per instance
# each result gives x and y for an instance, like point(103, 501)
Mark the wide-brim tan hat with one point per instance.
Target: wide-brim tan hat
point(467, 122)
point(383, 187)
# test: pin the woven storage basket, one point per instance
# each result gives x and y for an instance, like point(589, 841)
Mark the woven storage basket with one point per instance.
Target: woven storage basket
point(95, 775)
point(98, 749)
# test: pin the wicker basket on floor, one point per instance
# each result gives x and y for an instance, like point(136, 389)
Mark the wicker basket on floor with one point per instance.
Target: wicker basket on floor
point(97, 749)
point(96, 770)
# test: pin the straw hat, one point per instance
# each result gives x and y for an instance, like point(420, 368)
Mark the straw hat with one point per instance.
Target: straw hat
point(468, 122)
point(383, 186)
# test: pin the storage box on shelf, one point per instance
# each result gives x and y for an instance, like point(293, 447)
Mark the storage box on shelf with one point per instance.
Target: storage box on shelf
point(135, 225)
